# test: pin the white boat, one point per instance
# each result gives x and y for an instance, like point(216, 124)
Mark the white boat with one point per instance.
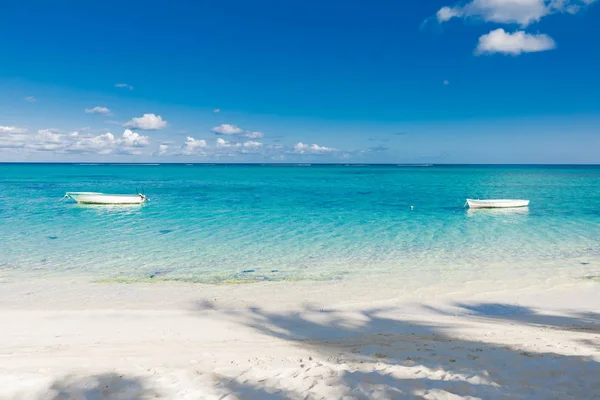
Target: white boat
point(501, 203)
point(102, 198)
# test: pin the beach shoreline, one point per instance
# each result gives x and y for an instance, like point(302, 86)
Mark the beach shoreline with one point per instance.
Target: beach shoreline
point(296, 340)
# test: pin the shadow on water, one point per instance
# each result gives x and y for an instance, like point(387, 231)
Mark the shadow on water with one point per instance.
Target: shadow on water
point(379, 354)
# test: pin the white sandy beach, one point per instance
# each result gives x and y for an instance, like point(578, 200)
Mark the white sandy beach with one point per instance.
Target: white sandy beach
point(77, 340)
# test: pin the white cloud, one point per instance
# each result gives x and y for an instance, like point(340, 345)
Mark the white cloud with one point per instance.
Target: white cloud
point(192, 145)
point(447, 13)
point(148, 122)
point(311, 148)
point(129, 143)
point(222, 143)
point(30, 99)
point(500, 41)
point(46, 140)
point(134, 139)
point(253, 135)
point(522, 12)
point(98, 110)
point(124, 85)
point(252, 145)
point(225, 148)
point(229, 129)
point(12, 129)
point(13, 140)
point(217, 110)
point(162, 150)
point(101, 144)
point(446, 82)
point(49, 135)
point(572, 7)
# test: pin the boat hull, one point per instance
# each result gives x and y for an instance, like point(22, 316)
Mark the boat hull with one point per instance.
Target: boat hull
point(503, 203)
point(101, 198)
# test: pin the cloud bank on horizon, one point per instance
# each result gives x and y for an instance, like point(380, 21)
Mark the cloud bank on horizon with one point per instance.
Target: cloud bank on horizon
point(132, 143)
point(53, 140)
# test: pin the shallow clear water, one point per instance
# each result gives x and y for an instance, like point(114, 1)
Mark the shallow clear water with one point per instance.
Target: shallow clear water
point(219, 222)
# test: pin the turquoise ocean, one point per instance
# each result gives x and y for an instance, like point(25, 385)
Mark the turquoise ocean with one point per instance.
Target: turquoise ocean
point(220, 223)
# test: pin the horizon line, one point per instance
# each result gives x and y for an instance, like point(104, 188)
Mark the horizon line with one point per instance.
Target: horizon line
point(291, 164)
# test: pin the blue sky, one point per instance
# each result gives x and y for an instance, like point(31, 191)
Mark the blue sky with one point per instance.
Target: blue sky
point(480, 81)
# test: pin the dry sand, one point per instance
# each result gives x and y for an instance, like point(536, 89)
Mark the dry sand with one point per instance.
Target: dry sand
point(77, 340)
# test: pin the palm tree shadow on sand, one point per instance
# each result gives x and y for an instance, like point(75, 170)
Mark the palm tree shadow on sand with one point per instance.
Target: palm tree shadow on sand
point(378, 354)
point(103, 386)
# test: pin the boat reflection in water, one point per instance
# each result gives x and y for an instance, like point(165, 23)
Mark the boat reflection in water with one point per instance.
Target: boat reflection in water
point(481, 212)
point(110, 209)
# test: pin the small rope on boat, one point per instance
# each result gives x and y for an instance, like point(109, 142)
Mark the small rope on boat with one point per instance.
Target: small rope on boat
point(66, 196)
point(466, 204)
